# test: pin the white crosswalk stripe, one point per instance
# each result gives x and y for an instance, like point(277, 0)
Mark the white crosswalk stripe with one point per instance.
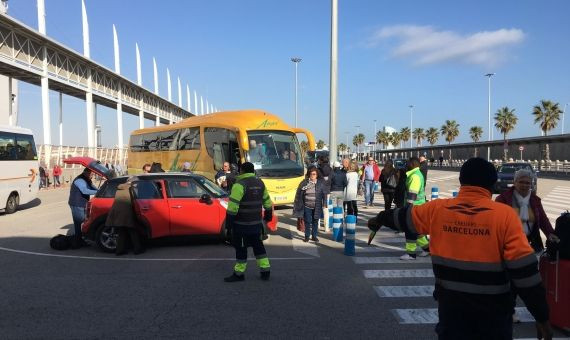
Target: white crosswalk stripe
point(403, 291)
point(430, 316)
point(376, 260)
point(397, 273)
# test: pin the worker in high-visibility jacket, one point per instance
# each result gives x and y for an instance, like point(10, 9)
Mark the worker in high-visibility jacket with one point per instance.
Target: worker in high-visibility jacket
point(244, 219)
point(415, 195)
point(478, 248)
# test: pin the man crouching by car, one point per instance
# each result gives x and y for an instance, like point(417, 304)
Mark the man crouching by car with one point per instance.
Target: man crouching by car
point(123, 219)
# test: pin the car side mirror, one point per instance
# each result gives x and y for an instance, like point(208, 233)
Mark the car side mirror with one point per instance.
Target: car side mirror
point(205, 198)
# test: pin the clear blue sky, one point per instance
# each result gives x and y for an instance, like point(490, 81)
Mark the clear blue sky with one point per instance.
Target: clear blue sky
point(431, 54)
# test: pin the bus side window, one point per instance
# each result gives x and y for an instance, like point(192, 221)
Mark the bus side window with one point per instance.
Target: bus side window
point(7, 147)
point(26, 147)
point(219, 144)
point(218, 156)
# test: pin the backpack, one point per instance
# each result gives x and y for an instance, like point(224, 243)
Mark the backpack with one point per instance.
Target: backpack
point(60, 242)
point(392, 181)
point(562, 230)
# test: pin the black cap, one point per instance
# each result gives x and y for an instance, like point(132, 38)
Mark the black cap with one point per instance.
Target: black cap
point(478, 172)
point(247, 167)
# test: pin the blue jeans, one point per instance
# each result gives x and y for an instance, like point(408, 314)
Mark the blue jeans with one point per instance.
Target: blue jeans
point(78, 215)
point(311, 223)
point(368, 191)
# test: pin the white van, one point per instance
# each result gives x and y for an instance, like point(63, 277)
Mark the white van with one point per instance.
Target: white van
point(19, 168)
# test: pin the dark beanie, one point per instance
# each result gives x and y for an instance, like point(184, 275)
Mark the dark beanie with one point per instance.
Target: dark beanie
point(247, 167)
point(478, 172)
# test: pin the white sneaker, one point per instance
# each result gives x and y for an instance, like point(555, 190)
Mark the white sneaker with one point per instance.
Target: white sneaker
point(407, 257)
point(424, 253)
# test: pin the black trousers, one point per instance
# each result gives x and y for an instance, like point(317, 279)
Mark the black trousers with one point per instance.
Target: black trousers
point(388, 199)
point(126, 238)
point(456, 323)
point(241, 241)
point(351, 208)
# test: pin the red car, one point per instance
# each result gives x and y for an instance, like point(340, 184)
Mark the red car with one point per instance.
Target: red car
point(166, 204)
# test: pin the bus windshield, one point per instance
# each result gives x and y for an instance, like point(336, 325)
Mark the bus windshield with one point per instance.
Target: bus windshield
point(275, 153)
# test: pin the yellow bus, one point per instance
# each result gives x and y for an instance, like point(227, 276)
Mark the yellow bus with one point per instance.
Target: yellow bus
point(206, 142)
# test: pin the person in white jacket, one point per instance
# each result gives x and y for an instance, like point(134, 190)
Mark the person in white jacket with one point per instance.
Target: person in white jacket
point(351, 190)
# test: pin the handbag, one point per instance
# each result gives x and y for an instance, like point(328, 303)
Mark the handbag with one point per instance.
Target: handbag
point(301, 224)
point(392, 182)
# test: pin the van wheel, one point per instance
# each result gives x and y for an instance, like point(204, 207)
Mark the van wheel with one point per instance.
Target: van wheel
point(106, 238)
point(12, 203)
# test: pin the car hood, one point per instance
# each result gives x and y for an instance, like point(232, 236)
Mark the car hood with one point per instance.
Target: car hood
point(90, 163)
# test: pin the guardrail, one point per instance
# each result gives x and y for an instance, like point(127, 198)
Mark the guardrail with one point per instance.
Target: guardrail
point(49, 155)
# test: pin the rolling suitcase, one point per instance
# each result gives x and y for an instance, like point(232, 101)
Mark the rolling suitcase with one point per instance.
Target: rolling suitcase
point(556, 278)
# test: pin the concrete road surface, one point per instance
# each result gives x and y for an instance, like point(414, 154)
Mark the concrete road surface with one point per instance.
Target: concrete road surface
point(175, 289)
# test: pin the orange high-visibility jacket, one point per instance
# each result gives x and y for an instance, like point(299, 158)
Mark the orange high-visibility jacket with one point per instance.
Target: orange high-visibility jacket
point(478, 248)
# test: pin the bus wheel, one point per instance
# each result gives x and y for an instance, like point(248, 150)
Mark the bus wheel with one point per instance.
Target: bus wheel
point(12, 203)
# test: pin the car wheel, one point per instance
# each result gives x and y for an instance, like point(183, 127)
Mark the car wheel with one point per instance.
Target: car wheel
point(12, 203)
point(106, 238)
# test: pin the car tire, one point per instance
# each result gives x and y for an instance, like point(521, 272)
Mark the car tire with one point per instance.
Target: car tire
point(12, 203)
point(106, 238)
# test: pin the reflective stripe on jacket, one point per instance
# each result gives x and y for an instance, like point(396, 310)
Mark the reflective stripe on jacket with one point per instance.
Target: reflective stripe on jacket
point(247, 198)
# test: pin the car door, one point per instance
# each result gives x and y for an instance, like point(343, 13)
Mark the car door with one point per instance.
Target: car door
point(189, 214)
point(151, 206)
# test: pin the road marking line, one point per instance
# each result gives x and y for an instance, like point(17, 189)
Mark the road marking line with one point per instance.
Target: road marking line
point(430, 316)
point(404, 291)
point(143, 259)
point(554, 204)
point(397, 273)
point(557, 197)
point(388, 260)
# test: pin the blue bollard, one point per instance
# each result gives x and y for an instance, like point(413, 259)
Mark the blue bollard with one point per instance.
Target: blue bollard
point(434, 193)
point(330, 217)
point(350, 239)
point(454, 193)
point(337, 224)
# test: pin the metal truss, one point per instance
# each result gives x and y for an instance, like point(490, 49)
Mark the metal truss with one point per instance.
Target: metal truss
point(21, 57)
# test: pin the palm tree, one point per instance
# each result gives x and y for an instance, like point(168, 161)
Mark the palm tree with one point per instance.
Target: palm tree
point(432, 135)
point(320, 144)
point(451, 130)
point(475, 132)
point(405, 134)
point(506, 120)
point(383, 137)
point(419, 135)
point(395, 139)
point(548, 114)
point(304, 147)
point(342, 147)
point(357, 140)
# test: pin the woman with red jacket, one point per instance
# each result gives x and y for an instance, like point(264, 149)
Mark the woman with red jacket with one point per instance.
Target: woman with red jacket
point(529, 208)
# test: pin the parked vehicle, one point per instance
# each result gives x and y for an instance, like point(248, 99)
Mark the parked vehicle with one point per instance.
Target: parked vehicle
point(506, 175)
point(20, 176)
point(400, 163)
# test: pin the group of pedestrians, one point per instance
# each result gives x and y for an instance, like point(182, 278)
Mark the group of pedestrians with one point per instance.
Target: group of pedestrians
point(55, 174)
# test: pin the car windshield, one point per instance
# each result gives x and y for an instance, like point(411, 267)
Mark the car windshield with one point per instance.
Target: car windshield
point(511, 169)
point(213, 188)
point(275, 153)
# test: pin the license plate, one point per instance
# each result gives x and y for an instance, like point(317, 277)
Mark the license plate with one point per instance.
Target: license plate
point(280, 198)
point(510, 185)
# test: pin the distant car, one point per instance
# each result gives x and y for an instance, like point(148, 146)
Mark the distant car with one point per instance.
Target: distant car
point(166, 204)
point(400, 163)
point(506, 175)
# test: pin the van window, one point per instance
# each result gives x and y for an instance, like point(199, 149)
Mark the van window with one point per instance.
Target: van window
point(25, 147)
point(7, 147)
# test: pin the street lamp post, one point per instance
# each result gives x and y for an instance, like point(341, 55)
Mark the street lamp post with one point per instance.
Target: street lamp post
point(489, 75)
point(375, 136)
point(411, 124)
point(357, 144)
point(563, 112)
point(296, 61)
